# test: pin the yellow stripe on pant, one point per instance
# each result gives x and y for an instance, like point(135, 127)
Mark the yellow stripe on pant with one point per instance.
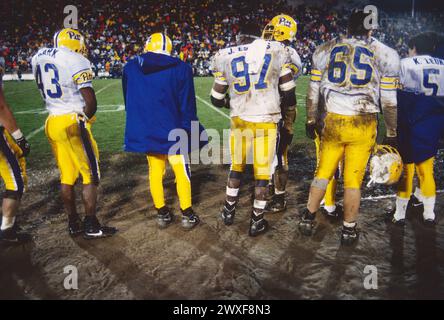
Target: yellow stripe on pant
point(75, 153)
point(351, 138)
point(261, 136)
point(157, 167)
point(12, 165)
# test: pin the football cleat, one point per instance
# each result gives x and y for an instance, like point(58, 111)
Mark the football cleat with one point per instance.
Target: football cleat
point(415, 204)
point(277, 204)
point(75, 225)
point(94, 230)
point(335, 214)
point(164, 217)
point(228, 213)
point(11, 236)
point(257, 227)
point(189, 219)
point(429, 222)
point(349, 235)
point(307, 222)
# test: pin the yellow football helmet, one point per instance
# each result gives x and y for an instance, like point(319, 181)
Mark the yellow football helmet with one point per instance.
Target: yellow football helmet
point(159, 43)
point(281, 28)
point(71, 39)
point(385, 165)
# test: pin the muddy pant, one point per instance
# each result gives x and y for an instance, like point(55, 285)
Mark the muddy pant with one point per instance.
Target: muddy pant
point(351, 138)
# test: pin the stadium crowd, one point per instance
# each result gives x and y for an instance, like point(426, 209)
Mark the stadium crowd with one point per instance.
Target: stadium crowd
point(116, 29)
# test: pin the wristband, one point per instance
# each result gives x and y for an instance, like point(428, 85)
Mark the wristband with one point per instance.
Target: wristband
point(17, 134)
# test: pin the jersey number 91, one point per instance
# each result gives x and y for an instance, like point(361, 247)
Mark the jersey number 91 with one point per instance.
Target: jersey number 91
point(239, 70)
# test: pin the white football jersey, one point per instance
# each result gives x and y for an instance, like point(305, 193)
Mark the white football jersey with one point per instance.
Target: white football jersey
point(353, 74)
point(254, 96)
point(423, 74)
point(60, 73)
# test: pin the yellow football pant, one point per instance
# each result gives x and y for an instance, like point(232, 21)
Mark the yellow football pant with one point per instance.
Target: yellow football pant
point(74, 148)
point(262, 137)
point(157, 167)
point(351, 138)
point(12, 166)
point(330, 192)
point(424, 170)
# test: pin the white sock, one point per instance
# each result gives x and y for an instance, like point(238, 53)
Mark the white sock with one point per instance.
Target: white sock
point(276, 191)
point(401, 208)
point(418, 194)
point(349, 224)
point(429, 206)
point(330, 209)
point(7, 222)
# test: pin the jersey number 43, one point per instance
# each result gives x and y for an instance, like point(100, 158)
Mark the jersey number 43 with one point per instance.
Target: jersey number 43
point(48, 84)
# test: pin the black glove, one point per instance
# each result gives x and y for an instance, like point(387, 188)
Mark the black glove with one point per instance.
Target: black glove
point(391, 141)
point(310, 130)
point(24, 145)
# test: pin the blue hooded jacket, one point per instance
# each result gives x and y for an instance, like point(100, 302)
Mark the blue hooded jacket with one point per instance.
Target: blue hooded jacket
point(159, 97)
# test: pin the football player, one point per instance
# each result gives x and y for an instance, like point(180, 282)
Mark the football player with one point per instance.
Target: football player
point(420, 118)
point(351, 73)
point(255, 76)
point(159, 98)
point(13, 149)
point(282, 28)
point(64, 78)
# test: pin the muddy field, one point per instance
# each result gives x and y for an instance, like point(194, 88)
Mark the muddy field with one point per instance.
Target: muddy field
point(214, 261)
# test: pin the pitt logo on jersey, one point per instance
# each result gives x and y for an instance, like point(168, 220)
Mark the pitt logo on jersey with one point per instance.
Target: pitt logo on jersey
point(83, 76)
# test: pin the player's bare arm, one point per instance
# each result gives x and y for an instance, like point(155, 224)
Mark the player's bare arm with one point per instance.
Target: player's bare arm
point(89, 96)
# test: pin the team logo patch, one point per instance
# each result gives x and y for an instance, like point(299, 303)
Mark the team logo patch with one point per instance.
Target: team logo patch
point(83, 77)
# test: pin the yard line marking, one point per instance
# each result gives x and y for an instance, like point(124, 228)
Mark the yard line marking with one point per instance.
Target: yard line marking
point(35, 132)
point(212, 107)
point(106, 87)
point(7, 93)
point(388, 196)
point(301, 95)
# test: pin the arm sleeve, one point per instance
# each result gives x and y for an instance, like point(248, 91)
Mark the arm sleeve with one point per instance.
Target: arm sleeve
point(312, 103)
point(81, 72)
point(388, 85)
point(187, 99)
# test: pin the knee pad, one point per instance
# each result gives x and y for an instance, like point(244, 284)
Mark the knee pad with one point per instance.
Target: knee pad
point(320, 183)
point(12, 194)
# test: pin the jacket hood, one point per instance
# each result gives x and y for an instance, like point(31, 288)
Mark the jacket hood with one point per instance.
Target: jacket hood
point(154, 62)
